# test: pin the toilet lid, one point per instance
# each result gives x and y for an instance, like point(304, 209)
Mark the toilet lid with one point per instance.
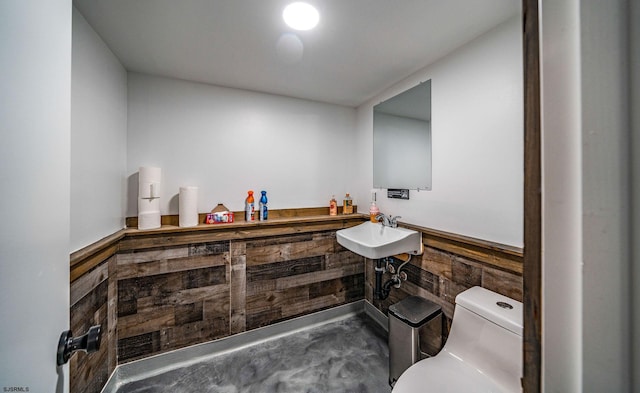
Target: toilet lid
point(444, 374)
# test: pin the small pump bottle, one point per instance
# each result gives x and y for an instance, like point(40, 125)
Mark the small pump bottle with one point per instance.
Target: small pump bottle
point(373, 208)
point(333, 206)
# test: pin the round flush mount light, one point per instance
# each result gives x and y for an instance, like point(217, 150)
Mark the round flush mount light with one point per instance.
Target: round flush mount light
point(300, 16)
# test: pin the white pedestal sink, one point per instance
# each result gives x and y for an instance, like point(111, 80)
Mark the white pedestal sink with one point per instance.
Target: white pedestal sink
point(375, 241)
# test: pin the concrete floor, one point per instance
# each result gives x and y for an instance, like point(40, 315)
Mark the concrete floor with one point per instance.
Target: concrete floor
point(348, 355)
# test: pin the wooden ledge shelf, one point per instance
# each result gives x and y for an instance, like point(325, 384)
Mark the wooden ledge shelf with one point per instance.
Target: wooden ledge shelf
point(274, 215)
point(172, 235)
point(241, 224)
point(290, 221)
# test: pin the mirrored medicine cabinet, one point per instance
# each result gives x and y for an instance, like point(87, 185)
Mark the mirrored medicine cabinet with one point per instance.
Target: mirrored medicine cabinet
point(402, 140)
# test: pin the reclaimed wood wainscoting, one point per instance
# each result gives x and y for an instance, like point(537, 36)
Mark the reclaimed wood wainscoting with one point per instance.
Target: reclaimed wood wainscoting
point(159, 290)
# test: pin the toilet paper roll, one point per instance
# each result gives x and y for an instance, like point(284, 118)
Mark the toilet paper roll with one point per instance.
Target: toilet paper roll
point(149, 220)
point(148, 205)
point(149, 180)
point(188, 206)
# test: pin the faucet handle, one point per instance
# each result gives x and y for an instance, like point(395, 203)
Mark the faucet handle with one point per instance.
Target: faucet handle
point(394, 221)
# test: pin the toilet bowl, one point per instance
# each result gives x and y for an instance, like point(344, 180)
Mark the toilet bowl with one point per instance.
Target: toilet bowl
point(482, 354)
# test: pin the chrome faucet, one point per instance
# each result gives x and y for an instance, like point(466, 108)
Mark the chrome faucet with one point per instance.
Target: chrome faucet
point(384, 219)
point(388, 221)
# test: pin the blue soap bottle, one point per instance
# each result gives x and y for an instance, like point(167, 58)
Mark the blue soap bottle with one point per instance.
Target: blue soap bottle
point(263, 206)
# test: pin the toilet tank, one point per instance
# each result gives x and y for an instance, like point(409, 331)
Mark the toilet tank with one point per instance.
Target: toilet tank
point(486, 334)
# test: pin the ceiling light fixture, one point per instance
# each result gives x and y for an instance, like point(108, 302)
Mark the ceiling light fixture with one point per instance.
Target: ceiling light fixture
point(300, 16)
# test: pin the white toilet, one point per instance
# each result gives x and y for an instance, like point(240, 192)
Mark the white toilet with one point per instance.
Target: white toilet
point(482, 354)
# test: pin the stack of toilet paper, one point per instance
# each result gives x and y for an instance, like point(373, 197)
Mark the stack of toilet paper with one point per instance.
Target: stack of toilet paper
point(149, 181)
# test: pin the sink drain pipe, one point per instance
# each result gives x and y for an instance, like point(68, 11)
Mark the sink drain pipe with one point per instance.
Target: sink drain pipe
point(380, 269)
point(386, 288)
point(382, 265)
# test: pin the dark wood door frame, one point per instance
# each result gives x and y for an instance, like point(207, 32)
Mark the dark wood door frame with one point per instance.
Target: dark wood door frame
point(532, 274)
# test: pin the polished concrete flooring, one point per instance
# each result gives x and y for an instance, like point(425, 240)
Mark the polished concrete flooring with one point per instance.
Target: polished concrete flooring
point(347, 355)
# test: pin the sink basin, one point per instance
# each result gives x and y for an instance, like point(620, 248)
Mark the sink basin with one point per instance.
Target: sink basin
point(375, 241)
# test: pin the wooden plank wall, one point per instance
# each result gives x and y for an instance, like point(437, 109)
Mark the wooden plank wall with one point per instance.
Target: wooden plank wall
point(90, 306)
point(180, 296)
point(171, 298)
point(165, 298)
point(295, 275)
point(154, 291)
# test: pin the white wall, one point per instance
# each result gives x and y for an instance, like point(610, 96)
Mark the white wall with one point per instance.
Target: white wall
point(477, 136)
point(35, 59)
point(562, 202)
point(98, 137)
point(227, 141)
point(587, 339)
point(605, 195)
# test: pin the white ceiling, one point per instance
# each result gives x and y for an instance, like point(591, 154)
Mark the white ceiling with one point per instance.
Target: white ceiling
point(359, 48)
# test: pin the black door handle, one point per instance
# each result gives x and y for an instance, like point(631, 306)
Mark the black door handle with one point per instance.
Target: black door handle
point(67, 345)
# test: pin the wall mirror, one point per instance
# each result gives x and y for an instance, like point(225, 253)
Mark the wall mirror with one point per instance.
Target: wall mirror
point(402, 140)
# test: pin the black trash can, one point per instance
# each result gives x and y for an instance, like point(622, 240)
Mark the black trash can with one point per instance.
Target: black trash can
point(405, 320)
